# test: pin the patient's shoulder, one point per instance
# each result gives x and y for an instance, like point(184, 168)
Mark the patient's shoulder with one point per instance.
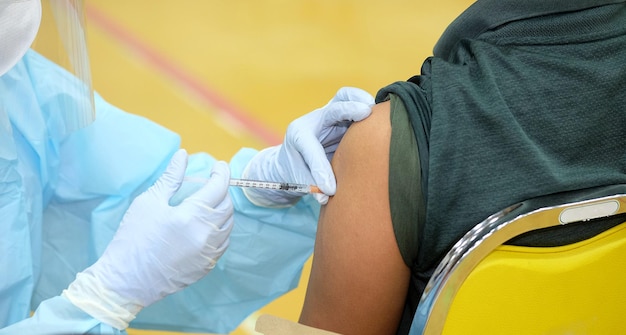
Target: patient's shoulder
point(366, 142)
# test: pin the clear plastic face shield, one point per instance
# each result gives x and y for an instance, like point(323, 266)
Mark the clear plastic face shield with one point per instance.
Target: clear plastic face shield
point(56, 30)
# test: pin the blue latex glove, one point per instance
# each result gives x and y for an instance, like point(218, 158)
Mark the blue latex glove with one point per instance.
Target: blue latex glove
point(158, 249)
point(309, 145)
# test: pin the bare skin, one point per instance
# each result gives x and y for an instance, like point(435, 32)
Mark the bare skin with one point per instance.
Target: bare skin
point(358, 279)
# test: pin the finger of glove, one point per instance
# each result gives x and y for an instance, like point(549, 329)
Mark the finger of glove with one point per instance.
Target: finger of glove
point(216, 253)
point(218, 237)
point(341, 112)
point(172, 178)
point(321, 198)
point(220, 219)
point(213, 192)
point(221, 229)
point(314, 156)
point(354, 94)
point(330, 151)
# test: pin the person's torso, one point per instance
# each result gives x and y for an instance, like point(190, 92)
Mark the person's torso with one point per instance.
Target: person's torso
point(527, 107)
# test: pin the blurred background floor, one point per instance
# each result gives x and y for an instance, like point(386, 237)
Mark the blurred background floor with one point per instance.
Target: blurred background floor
point(232, 74)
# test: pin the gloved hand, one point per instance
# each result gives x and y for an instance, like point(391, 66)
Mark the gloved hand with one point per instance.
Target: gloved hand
point(158, 249)
point(309, 145)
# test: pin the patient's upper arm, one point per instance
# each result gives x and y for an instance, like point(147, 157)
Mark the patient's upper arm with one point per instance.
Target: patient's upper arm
point(358, 280)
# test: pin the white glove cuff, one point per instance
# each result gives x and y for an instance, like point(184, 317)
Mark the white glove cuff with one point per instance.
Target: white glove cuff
point(88, 294)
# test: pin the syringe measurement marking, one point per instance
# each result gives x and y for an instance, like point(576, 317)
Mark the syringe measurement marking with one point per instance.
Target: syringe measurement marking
point(302, 188)
point(274, 185)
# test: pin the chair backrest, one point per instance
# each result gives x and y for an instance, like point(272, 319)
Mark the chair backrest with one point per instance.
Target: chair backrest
point(485, 287)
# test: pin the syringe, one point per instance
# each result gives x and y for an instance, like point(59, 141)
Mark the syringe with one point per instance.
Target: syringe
point(302, 188)
point(269, 185)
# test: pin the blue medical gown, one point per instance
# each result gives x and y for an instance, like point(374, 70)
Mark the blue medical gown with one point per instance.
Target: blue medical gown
point(64, 193)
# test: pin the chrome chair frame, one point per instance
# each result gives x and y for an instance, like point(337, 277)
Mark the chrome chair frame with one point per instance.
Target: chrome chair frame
point(486, 236)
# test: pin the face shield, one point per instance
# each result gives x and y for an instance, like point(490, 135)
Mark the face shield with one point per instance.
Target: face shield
point(56, 30)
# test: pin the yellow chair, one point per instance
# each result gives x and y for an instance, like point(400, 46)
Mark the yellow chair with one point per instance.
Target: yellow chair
point(485, 287)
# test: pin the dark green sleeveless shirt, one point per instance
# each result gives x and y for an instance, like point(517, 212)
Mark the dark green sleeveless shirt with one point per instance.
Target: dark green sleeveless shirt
point(521, 99)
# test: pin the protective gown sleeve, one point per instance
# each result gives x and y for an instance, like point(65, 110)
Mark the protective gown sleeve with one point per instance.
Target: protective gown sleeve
point(101, 169)
point(267, 251)
point(85, 181)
